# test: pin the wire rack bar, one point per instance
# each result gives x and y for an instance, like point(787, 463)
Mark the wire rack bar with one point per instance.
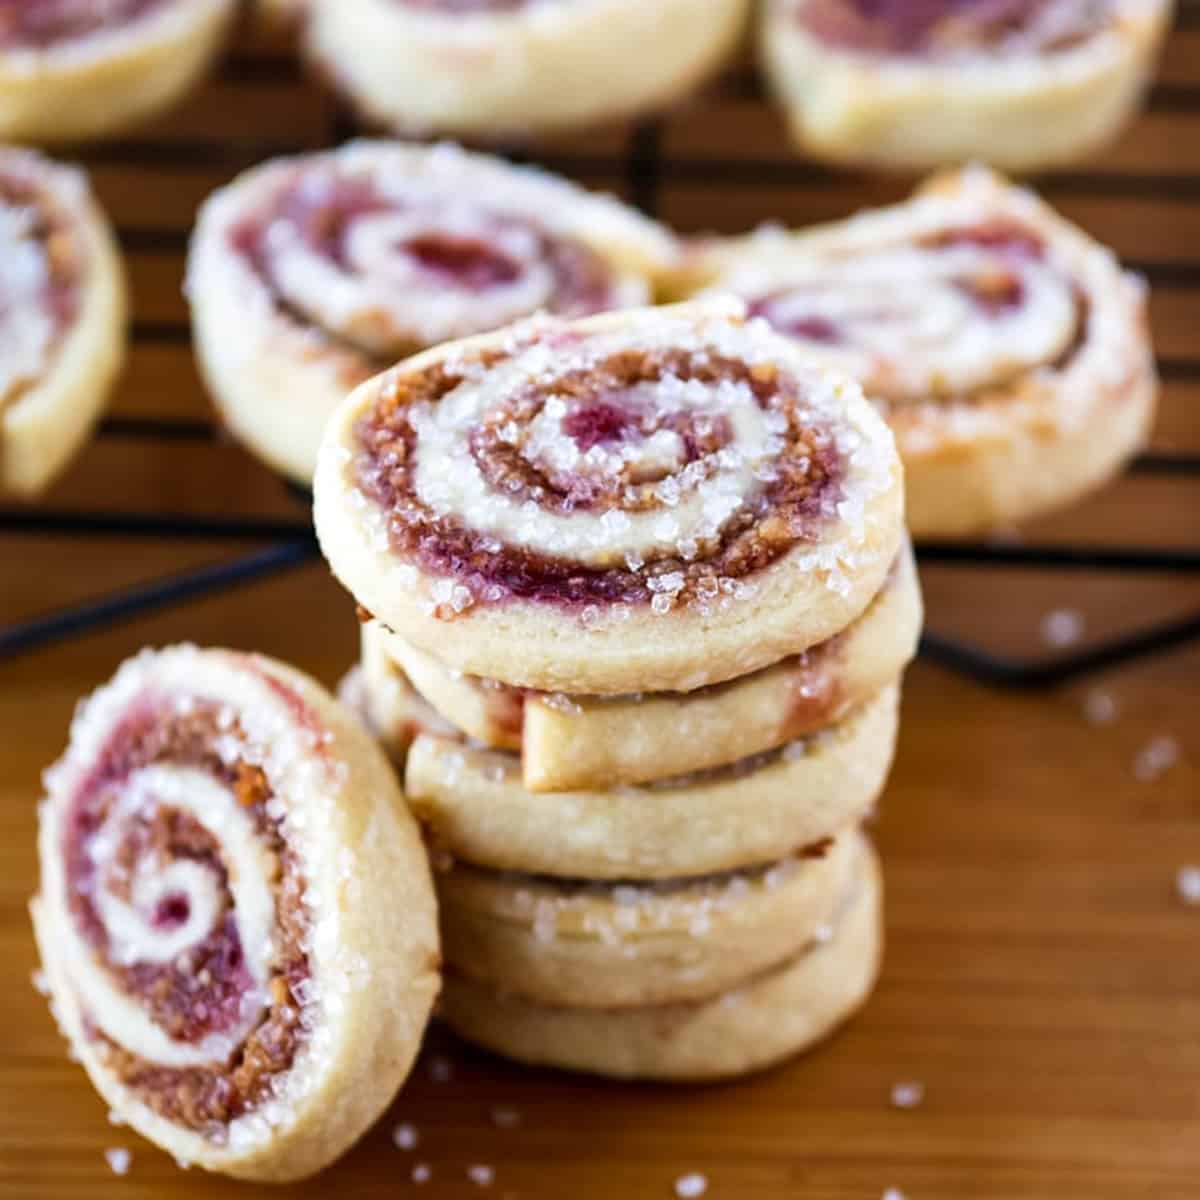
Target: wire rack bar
point(141, 599)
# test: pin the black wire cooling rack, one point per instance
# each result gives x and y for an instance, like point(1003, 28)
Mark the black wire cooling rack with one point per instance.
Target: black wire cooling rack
point(278, 545)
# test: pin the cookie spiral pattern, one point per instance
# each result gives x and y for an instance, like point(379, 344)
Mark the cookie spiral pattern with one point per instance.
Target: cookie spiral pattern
point(634, 487)
point(308, 275)
point(61, 317)
point(78, 69)
point(192, 915)
point(1008, 350)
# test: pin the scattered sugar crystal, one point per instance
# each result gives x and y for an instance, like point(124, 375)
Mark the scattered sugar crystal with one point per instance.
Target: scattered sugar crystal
point(41, 984)
point(893, 1194)
point(1063, 627)
point(441, 1069)
point(118, 1160)
point(1159, 755)
point(505, 1118)
point(823, 934)
point(115, 1118)
point(422, 1173)
point(481, 1175)
point(1187, 883)
point(908, 1094)
point(691, 1185)
point(1099, 708)
point(661, 604)
point(405, 1137)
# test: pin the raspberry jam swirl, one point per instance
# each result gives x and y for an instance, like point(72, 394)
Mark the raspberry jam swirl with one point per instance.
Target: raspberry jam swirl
point(658, 463)
point(953, 314)
point(386, 258)
point(40, 24)
point(955, 28)
point(179, 894)
point(41, 262)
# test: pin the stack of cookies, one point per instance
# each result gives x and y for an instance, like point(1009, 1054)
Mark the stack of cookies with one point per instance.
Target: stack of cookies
point(637, 599)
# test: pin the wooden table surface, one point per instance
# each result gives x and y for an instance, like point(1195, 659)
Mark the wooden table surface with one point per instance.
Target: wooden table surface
point(1042, 980)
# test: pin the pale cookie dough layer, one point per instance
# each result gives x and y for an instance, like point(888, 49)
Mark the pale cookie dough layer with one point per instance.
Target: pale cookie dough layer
point(1020, 111)
point(474, 806)
point(289, 317)
point(392, 710)
point(532, 68)
point(235, 913)
point(592, 945)
point(768, 1018)
point(1014, 367)
point(585, 742)
point(693, 501)
point(55, 371)
point(99, 84)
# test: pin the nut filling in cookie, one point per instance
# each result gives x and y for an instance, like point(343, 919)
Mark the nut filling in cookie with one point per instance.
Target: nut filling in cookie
point(308, 275)
point(183, 887)
point(652, 500)
point(235, 915)
point(389, 267)
point(691, 471)
point(952, 28)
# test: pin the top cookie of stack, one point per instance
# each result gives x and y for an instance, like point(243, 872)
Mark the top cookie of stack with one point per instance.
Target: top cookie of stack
point(647, 501)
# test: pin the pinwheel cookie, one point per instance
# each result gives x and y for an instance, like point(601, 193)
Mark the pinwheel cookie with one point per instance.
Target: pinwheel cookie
point(62, 317)
point(596, 945)
point(655, 500)
point(235, 915)
point(759, 809)
point(597, 742)
point(308, 275)
point(767, 1017)
point(501, 68)
point(1008, 350)
point(76, 69)
point(1022, 84)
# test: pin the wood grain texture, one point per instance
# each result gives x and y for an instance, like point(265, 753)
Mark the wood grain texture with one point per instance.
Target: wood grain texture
point(1042, 972)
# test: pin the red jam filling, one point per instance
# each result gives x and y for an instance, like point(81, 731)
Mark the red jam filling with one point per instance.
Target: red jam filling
point(37, 24)
point(997, 290)
point(323, 209)
point(786, 511)
point(202, 990)
point(917, 26)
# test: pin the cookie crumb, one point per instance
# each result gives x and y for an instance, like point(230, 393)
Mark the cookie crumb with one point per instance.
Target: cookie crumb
point(481, 1175)
point(422, 1173)
point(1099, 708)
point(908, 1094)
point(1187, 884)
point(1063, 627)
point(691, 1185)
point(1157, 757)
point(118, 1160)
point(405, 1137)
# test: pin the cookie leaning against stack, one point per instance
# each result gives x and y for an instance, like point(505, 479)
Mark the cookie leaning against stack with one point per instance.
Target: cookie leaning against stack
point(235, 914)
point(654, 564)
